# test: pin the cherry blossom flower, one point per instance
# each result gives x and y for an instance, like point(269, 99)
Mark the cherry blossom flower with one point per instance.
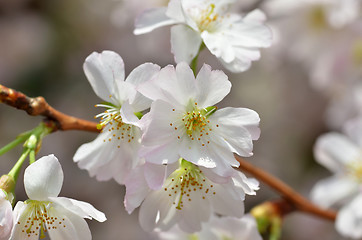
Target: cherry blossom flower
point(114, 152)
point(183, 121)
point(218, 228)
point(234, 39)
point(343, 157)
point(184, 194)
point(6, 216)
point(45, 212)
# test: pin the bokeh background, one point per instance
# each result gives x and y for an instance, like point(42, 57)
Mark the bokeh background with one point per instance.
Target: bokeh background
point(43, 45)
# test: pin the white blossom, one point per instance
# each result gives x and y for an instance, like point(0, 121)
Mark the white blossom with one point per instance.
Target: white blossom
point(45, 212)
point(115, 151)
point(184, 194)
point(183, 121)
point(234, 39)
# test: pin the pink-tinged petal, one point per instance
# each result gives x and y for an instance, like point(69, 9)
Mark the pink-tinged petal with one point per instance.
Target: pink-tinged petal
point(185, 43)
point(152, 19)
point(104, 71)
point(79, 208)
point(73, 226)
point(212, 86)
point(336, 159)
point(161, 154)
point(196, 154)
point(138, 76)
point(44, 178)
point(349, 219)
point(136, 189)
point(155, 175)
point(6, 217)
point(154, 208)
point(333, 190)
point(161, 128)
point(224, 203)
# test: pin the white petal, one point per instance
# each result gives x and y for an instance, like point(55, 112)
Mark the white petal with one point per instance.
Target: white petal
point(245, 117)
point(44, 178)
point(6, 217)
point(349, 219)
point(224, 203)
point(335, 151)
point(80, 208)
point(185, 43)
point(172, 85)
point(152, 19)
point(140, 75)
point(136, 189)
point(154, 208)
point(213, 86)
point(73, 226)
point(18, 229)
point(333, 190)
point(255, 15)
point(175, 11)
point(155, 175)
point(127, 114)
point(104, 72)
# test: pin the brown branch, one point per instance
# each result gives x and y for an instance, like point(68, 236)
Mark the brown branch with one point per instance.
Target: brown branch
point(38, 106)
point(299, 202)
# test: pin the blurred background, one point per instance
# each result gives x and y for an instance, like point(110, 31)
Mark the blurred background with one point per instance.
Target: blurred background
point(43, 45)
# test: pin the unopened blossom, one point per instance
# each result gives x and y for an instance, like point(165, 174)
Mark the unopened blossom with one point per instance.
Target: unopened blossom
point(114, 152)
point(46, 213)
point(343, 157)
point(185, 195)
point(184, 123)
point(6, 216)
point(218, 228)
point(232, 38)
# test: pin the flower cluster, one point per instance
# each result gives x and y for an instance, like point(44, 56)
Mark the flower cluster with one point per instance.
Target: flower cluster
point(177, 159)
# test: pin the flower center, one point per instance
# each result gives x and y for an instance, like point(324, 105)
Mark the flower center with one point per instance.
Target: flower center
point(355, 170)
point(206, 19)
point(111, 121)
point(38, 217)
point(317, 18)
point(195, 123)
point(186, 183)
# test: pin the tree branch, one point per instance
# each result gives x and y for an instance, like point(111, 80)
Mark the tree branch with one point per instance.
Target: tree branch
point(299, 202)
point(38, 106)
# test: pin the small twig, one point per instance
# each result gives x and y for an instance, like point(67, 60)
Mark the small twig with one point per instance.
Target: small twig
point(299, 202)
point(38, 106)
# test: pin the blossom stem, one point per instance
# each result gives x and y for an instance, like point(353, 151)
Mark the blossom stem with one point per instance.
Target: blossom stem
point(14, 172)
point(195, 60)
point(299, 202)
point(21, 138)
point(32, 157)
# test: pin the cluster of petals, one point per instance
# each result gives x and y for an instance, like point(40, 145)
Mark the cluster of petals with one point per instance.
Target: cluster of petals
point(217, 228)
point(234, 39)
point(343, 157)
point(6, 216)
point(60, 217)
point(185, 195)
point(115, 151)
point(184, 123)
